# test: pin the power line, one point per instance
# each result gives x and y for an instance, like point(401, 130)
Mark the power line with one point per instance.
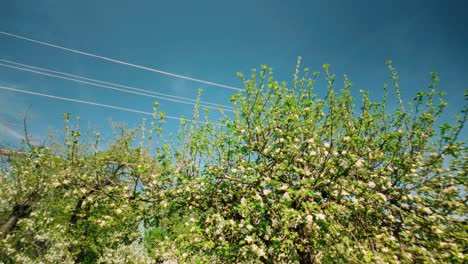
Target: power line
point(90, 103)
point(118, 85)
point(95, 84)
point(114, 84)
point(122, 62)
point(107, 86)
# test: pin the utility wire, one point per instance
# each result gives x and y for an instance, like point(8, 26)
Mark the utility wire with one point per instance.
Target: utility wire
point(118, 85)
point(108, 87)
point(122, 62)
point(90, 103)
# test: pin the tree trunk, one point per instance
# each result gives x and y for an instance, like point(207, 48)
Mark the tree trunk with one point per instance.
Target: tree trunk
point(9, 225)
point(19, 211)
point(306, 257)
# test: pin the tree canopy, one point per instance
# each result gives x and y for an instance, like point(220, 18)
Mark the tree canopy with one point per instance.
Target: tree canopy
point(291, 177)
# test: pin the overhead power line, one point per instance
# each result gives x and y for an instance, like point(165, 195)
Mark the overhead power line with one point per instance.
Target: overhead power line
point(89, 103)
point(203, 103)
point(109, 87)
point(122, 62)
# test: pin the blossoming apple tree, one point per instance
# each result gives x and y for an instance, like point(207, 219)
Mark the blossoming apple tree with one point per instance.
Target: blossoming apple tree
point(300, 173)
point(298, 178)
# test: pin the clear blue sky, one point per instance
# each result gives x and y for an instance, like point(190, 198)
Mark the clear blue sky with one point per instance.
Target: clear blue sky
point(212, 40)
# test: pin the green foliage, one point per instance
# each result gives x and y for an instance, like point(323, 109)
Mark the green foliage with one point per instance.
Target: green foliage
point(291, 177)
point(82, 202)
point(298, 178)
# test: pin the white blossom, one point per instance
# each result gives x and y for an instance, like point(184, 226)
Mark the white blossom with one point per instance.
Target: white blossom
point(261, 252)
point(320, 216)
point(451, 189)
point(427, 210)
point(359, 162)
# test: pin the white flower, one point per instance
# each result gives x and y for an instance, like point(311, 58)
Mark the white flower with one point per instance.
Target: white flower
point(254, 247)
point(119, 211)
point(249, 227)
point(286, 196)
point(427, 210)
point(438, 231)
point(346, 139)
point(266, 192)
point(101, 223)
point(359, 163)
point(384, 198)
point(451, 189)
point(371, 185)
point(327, 145)
point(309, 219)
point(234, 170)
point(320, 216)
point(248, 239)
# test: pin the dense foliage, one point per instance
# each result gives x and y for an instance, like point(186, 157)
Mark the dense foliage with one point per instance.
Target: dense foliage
point(77, 203)
point(290, 178)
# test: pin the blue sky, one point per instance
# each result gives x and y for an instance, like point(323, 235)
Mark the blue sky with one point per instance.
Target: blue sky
point(212, 40)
